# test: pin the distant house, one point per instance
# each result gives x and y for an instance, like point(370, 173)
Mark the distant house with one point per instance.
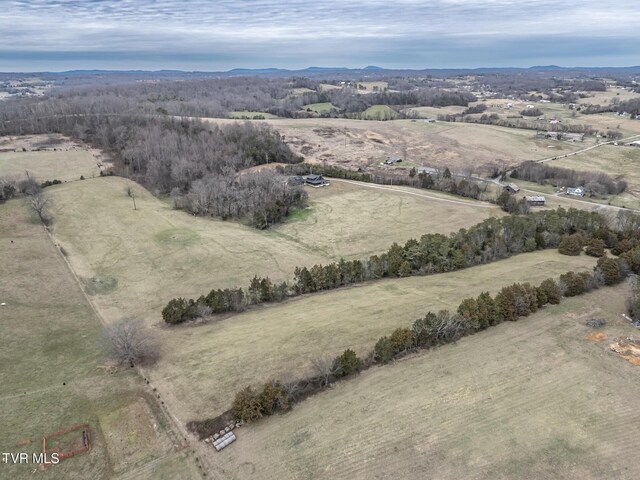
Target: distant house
point(392, 160)
point(512, 188)
point(576, 192)
point(297, 180)
point(535, 201)
point(316, 181)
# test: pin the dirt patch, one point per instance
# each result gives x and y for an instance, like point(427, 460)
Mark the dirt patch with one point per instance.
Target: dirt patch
point(374, 137)
point(628, 348)
point(597, 337)
point(23, 442)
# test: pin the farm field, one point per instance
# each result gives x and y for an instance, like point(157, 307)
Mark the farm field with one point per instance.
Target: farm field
point(68, 162)
point(459, 146)
point(54, 374)
point(135, 261)
point(203, 366)
point(532, 399)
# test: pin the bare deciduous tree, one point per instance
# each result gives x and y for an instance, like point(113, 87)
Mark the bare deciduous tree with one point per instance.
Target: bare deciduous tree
point(324, 369)
point(131, 344)
point(39, 203)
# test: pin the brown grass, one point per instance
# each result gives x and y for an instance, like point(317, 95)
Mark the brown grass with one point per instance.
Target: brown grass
point(528, 399)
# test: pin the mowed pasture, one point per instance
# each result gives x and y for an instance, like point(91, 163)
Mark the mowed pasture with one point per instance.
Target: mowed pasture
point(204, 365)
point(135, 261)
point(532, 399)
point(459, 146)
point(52, 376)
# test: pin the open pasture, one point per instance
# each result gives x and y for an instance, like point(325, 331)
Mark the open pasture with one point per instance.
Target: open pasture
point(137, 260)
point(35, 154)
point(53, 372)
point(459, 146)
point(533, 399)
point(204, 365)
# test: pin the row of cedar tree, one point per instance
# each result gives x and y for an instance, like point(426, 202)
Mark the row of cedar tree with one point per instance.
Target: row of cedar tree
point(473, 315)
point(493, 239)
point(434, 329)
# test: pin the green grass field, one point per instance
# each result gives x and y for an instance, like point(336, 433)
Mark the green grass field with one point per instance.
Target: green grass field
point(52, 350)
point(532, 399)
point(379, 112)
point(320, 107)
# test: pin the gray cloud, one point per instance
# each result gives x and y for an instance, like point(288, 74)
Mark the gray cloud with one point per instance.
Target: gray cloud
point(224, 33)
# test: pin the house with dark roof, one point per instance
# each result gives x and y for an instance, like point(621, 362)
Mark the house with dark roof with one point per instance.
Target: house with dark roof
point(512, 188)
point(315, 181)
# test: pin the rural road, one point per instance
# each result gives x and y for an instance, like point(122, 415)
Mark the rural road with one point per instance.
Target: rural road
point(577, 152)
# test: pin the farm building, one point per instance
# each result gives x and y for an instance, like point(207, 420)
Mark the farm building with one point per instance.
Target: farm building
point(535, 201)
point(316, 181)
point(576, 192)
point(512, 188)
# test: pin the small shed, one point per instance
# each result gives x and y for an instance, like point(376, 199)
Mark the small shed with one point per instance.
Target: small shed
point(512, 188)
point(315, 181)
point(535, 200)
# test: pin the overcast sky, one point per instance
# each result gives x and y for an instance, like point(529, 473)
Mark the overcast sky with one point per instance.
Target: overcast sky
point(211, 35)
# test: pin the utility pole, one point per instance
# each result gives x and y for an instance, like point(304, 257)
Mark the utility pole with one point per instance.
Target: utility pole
point(133, 197)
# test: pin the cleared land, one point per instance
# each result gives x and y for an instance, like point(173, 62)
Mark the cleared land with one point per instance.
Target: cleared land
point(532, 399)
point(136, 260)
point(47, 157)
point(51, 375)
point(203, 366)
point(459, 146)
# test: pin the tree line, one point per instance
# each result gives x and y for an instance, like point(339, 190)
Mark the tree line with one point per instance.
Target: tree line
point(442, 180)
point(490, 240)
point(199, 164)
point(473, 315)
